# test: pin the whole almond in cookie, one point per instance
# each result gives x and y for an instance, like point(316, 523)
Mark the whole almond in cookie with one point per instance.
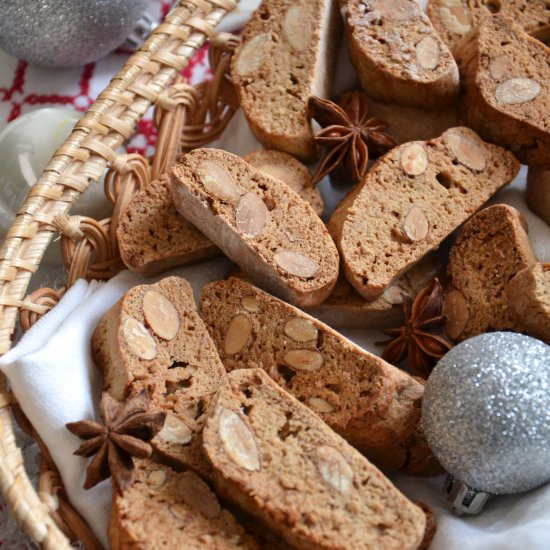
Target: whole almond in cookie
point(505, 74)
point(398, 55)
point(411, 200)
point(259, 222)
point(366, 400)
point(490, 249)
point(280, 462)
point(287, 54)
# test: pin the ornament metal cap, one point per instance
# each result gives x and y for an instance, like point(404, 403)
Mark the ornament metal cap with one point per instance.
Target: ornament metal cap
point(465, 499)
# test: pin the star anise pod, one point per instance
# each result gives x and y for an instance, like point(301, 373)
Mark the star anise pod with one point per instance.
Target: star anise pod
point(349, 134)
point(422, 337)
point(128, 428)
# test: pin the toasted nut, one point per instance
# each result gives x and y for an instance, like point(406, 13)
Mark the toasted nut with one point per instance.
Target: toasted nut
point(296, 264)
point(499, 66)
point(300, 330)
point(196, 493)
point(467, 151)
point(238, 441)
point(237, 335)
point(399, 10)
point(304, 359)
point(175, 431)
point(252, 54)
point(427, 53)
point(457, 312)
point(217, 181)
point(454, 16)
point(414, 159)
point(319, 405)
point(156, 479)
point(160, 315)
point(139, 340)
point(334, 468)
point(517, 90)
point(251, 214)
point(297, 27)
point(251, 303)
point(416, 225)
point(393, 294)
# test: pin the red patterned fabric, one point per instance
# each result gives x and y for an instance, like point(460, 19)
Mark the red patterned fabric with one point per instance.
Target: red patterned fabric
point(25, 87)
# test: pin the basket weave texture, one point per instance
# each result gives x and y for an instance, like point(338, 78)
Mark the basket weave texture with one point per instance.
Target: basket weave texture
point(197, 115)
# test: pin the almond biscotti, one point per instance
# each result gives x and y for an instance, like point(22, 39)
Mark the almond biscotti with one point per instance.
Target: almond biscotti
point(287, 54)
point(277, 460)
point(164, 509)
point(537, 193)
point(529, 299)
point(290, 171)
point(506, 99)
point(398, 55)
point(454, 19)
point(153, 237)
point(413, 198)
point(153, 339)
point(373, 404)
point(259, 222)
point(490, 249)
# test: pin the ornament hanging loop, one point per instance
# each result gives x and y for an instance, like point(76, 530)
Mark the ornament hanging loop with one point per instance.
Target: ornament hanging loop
point(465, 499)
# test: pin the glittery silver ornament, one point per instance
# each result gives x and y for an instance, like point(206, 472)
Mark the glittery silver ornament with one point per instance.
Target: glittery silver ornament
point(486, 412)
point(58, 33)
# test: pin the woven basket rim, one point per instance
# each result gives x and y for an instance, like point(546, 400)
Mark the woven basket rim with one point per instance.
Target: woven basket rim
point(83, 158)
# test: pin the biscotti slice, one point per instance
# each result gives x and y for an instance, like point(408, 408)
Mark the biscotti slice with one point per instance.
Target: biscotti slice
point(454, 19)
point(537, 192)
point(398, 55)
point(163, 509)
point(153, 237)
point(290, 171)
point(529, 299)
point(365, 399)
point(413, 198)
point(412, 124)
point(345, 308)
point(153, 339)
point(280, 462)
point(259, 222)
point(491, 248)
point(506, 95)
point(287, 54)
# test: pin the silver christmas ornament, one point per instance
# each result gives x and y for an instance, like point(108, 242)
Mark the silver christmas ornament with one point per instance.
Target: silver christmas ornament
point(58, 33)
point(486, 414)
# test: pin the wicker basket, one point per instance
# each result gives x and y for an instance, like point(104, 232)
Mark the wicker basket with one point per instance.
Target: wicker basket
point(196, 114)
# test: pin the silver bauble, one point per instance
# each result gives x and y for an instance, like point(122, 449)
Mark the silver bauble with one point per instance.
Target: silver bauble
point(486, 412)
point(58, 33)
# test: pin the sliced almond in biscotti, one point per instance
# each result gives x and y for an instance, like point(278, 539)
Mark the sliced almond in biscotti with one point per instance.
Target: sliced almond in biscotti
point(491, 248)
point(373, 404)
point(153, 237)
point(398, 55)
point(163, 508)
point(279, 461)
point(454, 19)
point(506, 94)
point(529, 299)
point(345, 308)
point(413, 198)
point(290, 171)
point(259, 222)
point(153, 339)
point(537, 193)
point(287, 54)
